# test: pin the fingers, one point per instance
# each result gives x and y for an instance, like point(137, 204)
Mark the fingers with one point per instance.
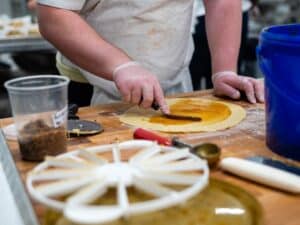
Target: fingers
point(147, 96)
point(248, 88)
point(154, 94)
point(259, 89)
point(227, 90)
point(136, 95)
point(254, 89)
point(160, 99)
point(230, 85)
point(125, 93)
point(139, 86)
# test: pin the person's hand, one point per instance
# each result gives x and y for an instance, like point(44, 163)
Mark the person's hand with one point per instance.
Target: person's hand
point(138, 86)
point(31, 5)
point(229, 84)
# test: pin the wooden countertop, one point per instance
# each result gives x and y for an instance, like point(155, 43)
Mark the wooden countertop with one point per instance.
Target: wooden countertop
point(246, 139)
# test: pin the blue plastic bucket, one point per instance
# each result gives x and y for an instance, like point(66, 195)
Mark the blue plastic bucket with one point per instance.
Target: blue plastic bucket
point(279, 59)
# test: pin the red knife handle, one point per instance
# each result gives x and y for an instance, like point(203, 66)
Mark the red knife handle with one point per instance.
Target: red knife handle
point(141, 133)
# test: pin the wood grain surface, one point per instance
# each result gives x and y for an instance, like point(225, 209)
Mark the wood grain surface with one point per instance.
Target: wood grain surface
point(246, 139)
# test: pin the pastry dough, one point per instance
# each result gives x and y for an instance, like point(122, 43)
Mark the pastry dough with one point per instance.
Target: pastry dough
point(216, 115)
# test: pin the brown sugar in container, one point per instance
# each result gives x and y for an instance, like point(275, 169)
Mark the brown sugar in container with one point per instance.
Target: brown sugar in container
point(37, 140)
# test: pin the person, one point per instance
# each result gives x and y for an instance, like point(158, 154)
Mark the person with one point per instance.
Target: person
point(144, 47)
point(200, 66)
point(79, 93)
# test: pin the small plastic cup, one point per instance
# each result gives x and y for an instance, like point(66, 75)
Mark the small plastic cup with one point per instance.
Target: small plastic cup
point(39, 106)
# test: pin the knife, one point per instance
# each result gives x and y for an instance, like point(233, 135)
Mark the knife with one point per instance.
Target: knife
point(261, 173)
point(174, 116)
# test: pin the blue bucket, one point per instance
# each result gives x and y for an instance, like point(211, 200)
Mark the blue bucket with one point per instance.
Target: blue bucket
point(279, 59)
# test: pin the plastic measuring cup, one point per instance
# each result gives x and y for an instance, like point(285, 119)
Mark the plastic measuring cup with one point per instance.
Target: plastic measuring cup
point(39, 107)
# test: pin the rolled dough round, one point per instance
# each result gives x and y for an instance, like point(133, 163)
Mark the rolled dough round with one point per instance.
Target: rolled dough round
point(215, 115)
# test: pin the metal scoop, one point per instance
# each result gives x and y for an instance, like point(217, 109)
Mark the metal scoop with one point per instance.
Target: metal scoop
point(208, 151)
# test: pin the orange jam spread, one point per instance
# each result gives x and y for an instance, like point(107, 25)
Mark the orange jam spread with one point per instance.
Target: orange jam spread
point(209, 112)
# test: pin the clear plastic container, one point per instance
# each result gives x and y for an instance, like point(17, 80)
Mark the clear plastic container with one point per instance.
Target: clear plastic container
point(39, 107)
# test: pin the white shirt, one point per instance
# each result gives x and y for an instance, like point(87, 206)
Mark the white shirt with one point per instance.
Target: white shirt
point(156, 33)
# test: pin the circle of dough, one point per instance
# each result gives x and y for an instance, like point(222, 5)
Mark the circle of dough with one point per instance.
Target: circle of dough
point(139, 117)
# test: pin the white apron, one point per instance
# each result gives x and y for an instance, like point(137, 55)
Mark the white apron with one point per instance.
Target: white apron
point(155, 33)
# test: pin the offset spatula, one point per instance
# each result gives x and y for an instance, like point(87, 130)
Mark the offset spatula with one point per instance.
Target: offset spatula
point(173, 116)
point(181, 117)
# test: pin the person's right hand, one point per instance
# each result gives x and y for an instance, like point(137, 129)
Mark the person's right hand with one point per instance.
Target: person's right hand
point(139, 86)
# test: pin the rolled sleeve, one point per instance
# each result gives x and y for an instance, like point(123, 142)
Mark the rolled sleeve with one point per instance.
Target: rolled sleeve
point(64, 4)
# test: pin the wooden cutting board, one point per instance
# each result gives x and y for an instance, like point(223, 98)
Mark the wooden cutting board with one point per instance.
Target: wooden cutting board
point(246, 139)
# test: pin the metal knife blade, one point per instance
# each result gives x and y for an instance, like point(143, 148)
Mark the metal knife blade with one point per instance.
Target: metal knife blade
point(181, 117)
point(173, 116)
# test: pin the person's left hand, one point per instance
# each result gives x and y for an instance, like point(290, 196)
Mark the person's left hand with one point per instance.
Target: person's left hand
point(230, 84)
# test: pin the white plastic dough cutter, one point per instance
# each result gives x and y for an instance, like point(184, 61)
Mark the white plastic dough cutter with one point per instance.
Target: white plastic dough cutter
point(85, 175)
